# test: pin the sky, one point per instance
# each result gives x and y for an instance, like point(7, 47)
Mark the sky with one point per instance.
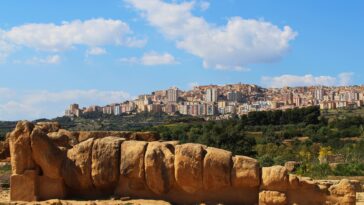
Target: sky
point(53, 53)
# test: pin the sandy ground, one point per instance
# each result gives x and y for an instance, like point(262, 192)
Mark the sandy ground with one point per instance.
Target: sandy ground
point(4, 200)
point(360, 198)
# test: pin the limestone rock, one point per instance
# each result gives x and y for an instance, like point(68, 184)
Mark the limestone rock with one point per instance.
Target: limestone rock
point(76, 170)
point(291, 166)
point(64, 138)
point(145, 136)
point(20, 150)
point(272, 198)
point(48, 126)
point(49, 188)
point(294, 181)
point(159, 167)
point(216, 169)
point(344, 191)
point(105, 162)
point(46, 154)
point(245, 172)
point(4, 147)
point(132, 162)
point(275, 178)
point(188, 165)
point(24, 186)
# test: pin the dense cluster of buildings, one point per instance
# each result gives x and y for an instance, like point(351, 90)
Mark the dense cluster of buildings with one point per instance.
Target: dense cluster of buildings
point(223, 101)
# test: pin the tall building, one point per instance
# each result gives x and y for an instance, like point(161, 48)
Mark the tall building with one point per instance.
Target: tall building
point(73, 110)
point(234, 96)
point(211, 95)
point(172, 95)
point(319, 93)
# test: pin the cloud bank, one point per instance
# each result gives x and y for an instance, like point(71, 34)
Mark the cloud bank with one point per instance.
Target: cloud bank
point(151, 59)
point(50, 37)
point(307, 80)
point(234, 46)
point(30, 105)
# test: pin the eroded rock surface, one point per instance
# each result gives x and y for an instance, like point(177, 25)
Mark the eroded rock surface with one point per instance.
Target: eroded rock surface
point(46, 165)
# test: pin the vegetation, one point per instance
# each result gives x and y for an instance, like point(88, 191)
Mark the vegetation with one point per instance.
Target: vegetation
point(5, 127)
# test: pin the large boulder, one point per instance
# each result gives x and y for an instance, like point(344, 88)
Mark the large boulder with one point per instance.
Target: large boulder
point(159, 167)
point(24, 186)
point(132, 163)
point(20, 149)
point(64, 138)
point(344, 192)
point(272, 198)
point(245, 172)
point(76, 170)
point(49, 188)
point(216, 169)
point(48, 126)
point(188, 166)
point(4, 147)
point(46, 154)
point(275, 178)
point(145, 136)
point(105, 163)
point(292, 166)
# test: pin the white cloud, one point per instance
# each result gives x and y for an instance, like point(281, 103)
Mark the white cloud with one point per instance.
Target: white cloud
point(5, 47)
point(306, 80)
point(204, 5)
point(239, 43)
point(345, 78)
point(46, 104)
point(151, 59)
point(52, 59)
point(95, 51)
point(55, 38)
point(193, 85)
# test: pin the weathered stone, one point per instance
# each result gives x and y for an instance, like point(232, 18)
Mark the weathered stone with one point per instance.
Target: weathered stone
point(344, 192)
point(105, 162)
point(23, 187)
point(294, 181)
point(159, 167)
point(145, 136)
point(291, 166)
point(76, 170)
point(245, 172)
point(51, 188)
point(46, 154)
point(20, 149)
point(216, 169)
point(4, 147)
point(308, 184)
point(48, 126)
point(272, 198)
point(64, 138)
point(188, 166)
point(132, 162)
point(275, 178)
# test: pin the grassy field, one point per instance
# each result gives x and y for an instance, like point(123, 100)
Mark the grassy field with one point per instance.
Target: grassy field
point(341, 113)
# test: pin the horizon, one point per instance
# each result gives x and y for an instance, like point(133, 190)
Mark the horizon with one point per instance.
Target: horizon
point(58, 53)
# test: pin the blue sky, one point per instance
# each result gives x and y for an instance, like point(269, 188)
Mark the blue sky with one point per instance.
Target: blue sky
point(53, 53)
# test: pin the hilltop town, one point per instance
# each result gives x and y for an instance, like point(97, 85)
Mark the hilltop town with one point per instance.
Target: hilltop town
point(226, 100)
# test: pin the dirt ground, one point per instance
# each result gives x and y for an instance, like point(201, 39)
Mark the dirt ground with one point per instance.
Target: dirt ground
point(360, 198)
point(4, 200)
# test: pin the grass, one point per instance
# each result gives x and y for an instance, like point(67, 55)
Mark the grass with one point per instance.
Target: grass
point(5, 169)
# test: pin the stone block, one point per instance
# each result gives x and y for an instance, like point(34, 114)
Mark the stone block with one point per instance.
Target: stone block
point(23, 187)
point(51, 188)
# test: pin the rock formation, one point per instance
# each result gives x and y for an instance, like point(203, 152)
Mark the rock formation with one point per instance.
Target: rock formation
point(50, 163)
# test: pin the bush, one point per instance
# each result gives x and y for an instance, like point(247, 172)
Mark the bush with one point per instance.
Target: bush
point(349, 169)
